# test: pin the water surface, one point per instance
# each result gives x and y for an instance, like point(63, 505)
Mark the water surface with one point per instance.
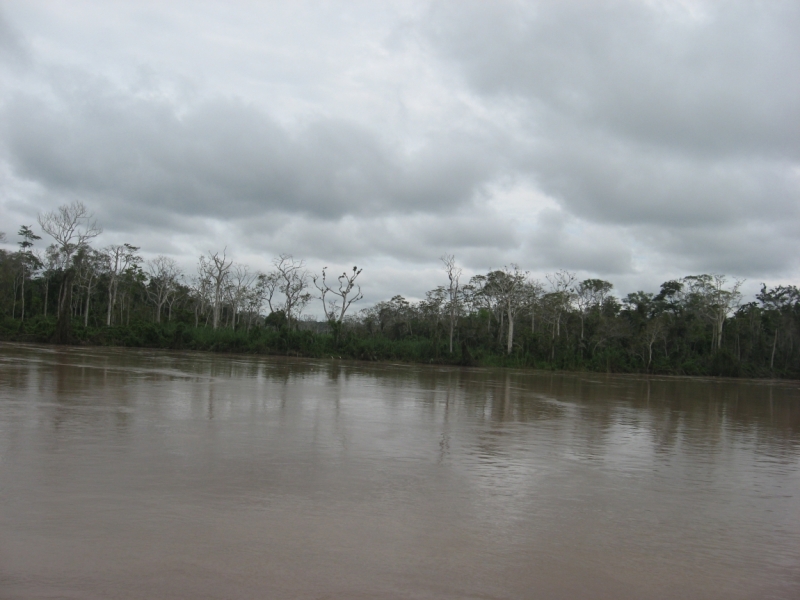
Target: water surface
point(139, 474)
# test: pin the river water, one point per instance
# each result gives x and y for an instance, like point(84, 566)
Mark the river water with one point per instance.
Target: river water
point(143, 474)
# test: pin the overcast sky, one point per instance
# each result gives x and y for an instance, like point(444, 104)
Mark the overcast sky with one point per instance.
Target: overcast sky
point(634, 141)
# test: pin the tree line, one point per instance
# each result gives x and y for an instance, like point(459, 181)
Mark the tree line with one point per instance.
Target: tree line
point(72, 292)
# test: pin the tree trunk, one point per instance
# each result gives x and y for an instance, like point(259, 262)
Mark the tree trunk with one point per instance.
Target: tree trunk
point(63, 333)
point(111, 297)
point(217, 299)
point(510, 332)
point(452, 323)
point(774, 344)
point(22, 318)
point(88, 296)
point(14, 294)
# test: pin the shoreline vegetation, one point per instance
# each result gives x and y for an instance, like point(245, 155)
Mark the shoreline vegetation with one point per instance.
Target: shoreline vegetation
point(307, 343)
point(73, 293)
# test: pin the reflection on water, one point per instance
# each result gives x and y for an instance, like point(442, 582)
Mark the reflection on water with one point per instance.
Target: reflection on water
point(133, 474)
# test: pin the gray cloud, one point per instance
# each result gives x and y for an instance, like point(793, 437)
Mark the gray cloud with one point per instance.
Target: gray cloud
point(720, 81)
point(225, 158)
point(619, 139)
point(657, 117)
point(13, 50)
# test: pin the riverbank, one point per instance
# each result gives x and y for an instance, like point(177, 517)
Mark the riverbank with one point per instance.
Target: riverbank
point(372, 348)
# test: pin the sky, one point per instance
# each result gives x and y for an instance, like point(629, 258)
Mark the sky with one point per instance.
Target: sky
point(634, 141)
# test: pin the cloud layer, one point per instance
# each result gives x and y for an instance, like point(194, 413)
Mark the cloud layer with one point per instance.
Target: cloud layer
point(635, 141)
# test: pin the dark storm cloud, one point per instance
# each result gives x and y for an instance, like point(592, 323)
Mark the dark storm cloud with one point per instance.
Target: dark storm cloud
point(225, 158)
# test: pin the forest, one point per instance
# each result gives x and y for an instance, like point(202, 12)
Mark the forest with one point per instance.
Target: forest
point(57, 287)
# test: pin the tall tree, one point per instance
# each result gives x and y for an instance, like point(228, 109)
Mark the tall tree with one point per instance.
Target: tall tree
point(116, 260)
point(453, 297)
point(216, 267)
point(164, 278)
point(72, 226)
point(508, 286)
point(293, 282)
point(590, 295)
point(713, 301)
point(89, 265)
point(29, 262)
point(562, 295)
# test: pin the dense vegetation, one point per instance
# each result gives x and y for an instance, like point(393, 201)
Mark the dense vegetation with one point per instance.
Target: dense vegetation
point(73, 293)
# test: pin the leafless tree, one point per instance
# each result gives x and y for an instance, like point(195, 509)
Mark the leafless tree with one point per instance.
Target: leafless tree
point(292, 283)
point(71, 226)
point(269, 284)
point(562, 295)
point(241, 279)
point(254, 298)
point(117, 259)
point(201, 289)
point(347, 290)
point(453, 297)
point(216, 268)
point(164, 278)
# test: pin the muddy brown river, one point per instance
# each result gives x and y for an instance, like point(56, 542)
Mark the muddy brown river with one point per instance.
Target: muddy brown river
point(141, 474)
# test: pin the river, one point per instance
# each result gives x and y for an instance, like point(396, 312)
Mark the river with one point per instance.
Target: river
point(146, 474)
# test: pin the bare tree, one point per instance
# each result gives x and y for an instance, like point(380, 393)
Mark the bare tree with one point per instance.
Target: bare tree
point(164, 277)
point(117, 259)
point(201, 288)
point(562, 295)
point(216, 268)
point(254, 298)
point(347, 290)
point(269, 283)
point(292, 283)
point(71, 226)
point(453, 298)
point(241, 279)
